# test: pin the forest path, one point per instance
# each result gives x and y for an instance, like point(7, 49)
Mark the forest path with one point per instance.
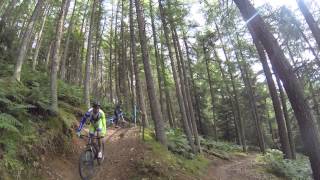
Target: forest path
point(122, 148)
point(242, 168)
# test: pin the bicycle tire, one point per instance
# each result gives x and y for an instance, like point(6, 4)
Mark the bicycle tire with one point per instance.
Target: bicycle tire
point(86, 164)
point(103, 157)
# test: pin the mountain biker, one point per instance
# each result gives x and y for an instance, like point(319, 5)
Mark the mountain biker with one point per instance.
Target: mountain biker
point(118, 114)
point(97, 120)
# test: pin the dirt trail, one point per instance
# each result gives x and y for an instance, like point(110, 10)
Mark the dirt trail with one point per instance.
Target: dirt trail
point(237, 169)
point(121, 151)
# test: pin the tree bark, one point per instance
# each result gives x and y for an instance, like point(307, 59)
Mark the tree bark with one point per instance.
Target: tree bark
point(98, 62)
point(48, 56)
point(166, 90)
point(66, 48)
point(39, 41)
point(110, 56)
point(306, 121)
point(175, 76)
point(116, 48)
point(122, 67)
point(188, 94)
point(233, 98)
point(88, 57)
point(181, 80)
point(236, 108)
point(136, 69)
point(83, 32)
point(211, 91)
point(56, 57)
point(287, 119)
point(282, 129)
point(195, 97)
point(26, 39)
point(154, 103)
point(156, 52)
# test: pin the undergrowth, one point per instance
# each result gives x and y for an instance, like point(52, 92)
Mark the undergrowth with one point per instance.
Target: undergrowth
point(27, 130)
point(159, 162)
point(224, 149)
point(274, 163)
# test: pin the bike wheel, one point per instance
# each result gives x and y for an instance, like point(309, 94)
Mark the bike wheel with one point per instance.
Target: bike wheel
point(86, 164)
point(103, 157)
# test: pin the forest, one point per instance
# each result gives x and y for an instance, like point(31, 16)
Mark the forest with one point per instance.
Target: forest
point(207, 86)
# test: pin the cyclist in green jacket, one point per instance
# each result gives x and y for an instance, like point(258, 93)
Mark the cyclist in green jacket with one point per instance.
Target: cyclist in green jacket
point(97, 120)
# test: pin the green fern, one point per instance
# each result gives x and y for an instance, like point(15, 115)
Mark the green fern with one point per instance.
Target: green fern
point(9, 123)
point(13, 164)
point(19, 108)
point(14, 97)
point(4, 101)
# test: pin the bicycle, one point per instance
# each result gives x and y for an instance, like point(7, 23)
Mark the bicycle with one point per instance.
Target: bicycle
point(123, 121)
point(88, 157)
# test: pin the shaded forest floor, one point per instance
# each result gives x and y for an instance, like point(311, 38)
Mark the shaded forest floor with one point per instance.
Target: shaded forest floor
point(241, 168)
point(126, 156)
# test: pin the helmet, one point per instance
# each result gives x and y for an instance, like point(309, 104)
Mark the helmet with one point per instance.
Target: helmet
point(96, 104)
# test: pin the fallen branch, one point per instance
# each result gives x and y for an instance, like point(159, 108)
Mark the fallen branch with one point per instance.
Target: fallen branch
point(216, 154)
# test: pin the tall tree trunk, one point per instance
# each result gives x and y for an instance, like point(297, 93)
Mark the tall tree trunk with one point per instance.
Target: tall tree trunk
point(175, 76)
point(310, 20)
point(110, 56)
point(83, 32)
point(132, 78)
point(287, 119)
point(270, 125)
point(237, 118)
point(97, 58)
point(136, 69)
point(89, 56)
point(248, 86)
point(195, 97)
point(188, 94)
point(181, 80)
point(39, 41)
point(314, 101)
point(26, 39)
point(282, 129)
point(122, 67)
point(306, 121)
point(154, 103)
point(66, 48)
point(166, 90)
point(211, 91)
point(116, 48)
point(313, 95)
point(56, 56)
point(47, 61)
point(233, 98)
point(156, 52)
